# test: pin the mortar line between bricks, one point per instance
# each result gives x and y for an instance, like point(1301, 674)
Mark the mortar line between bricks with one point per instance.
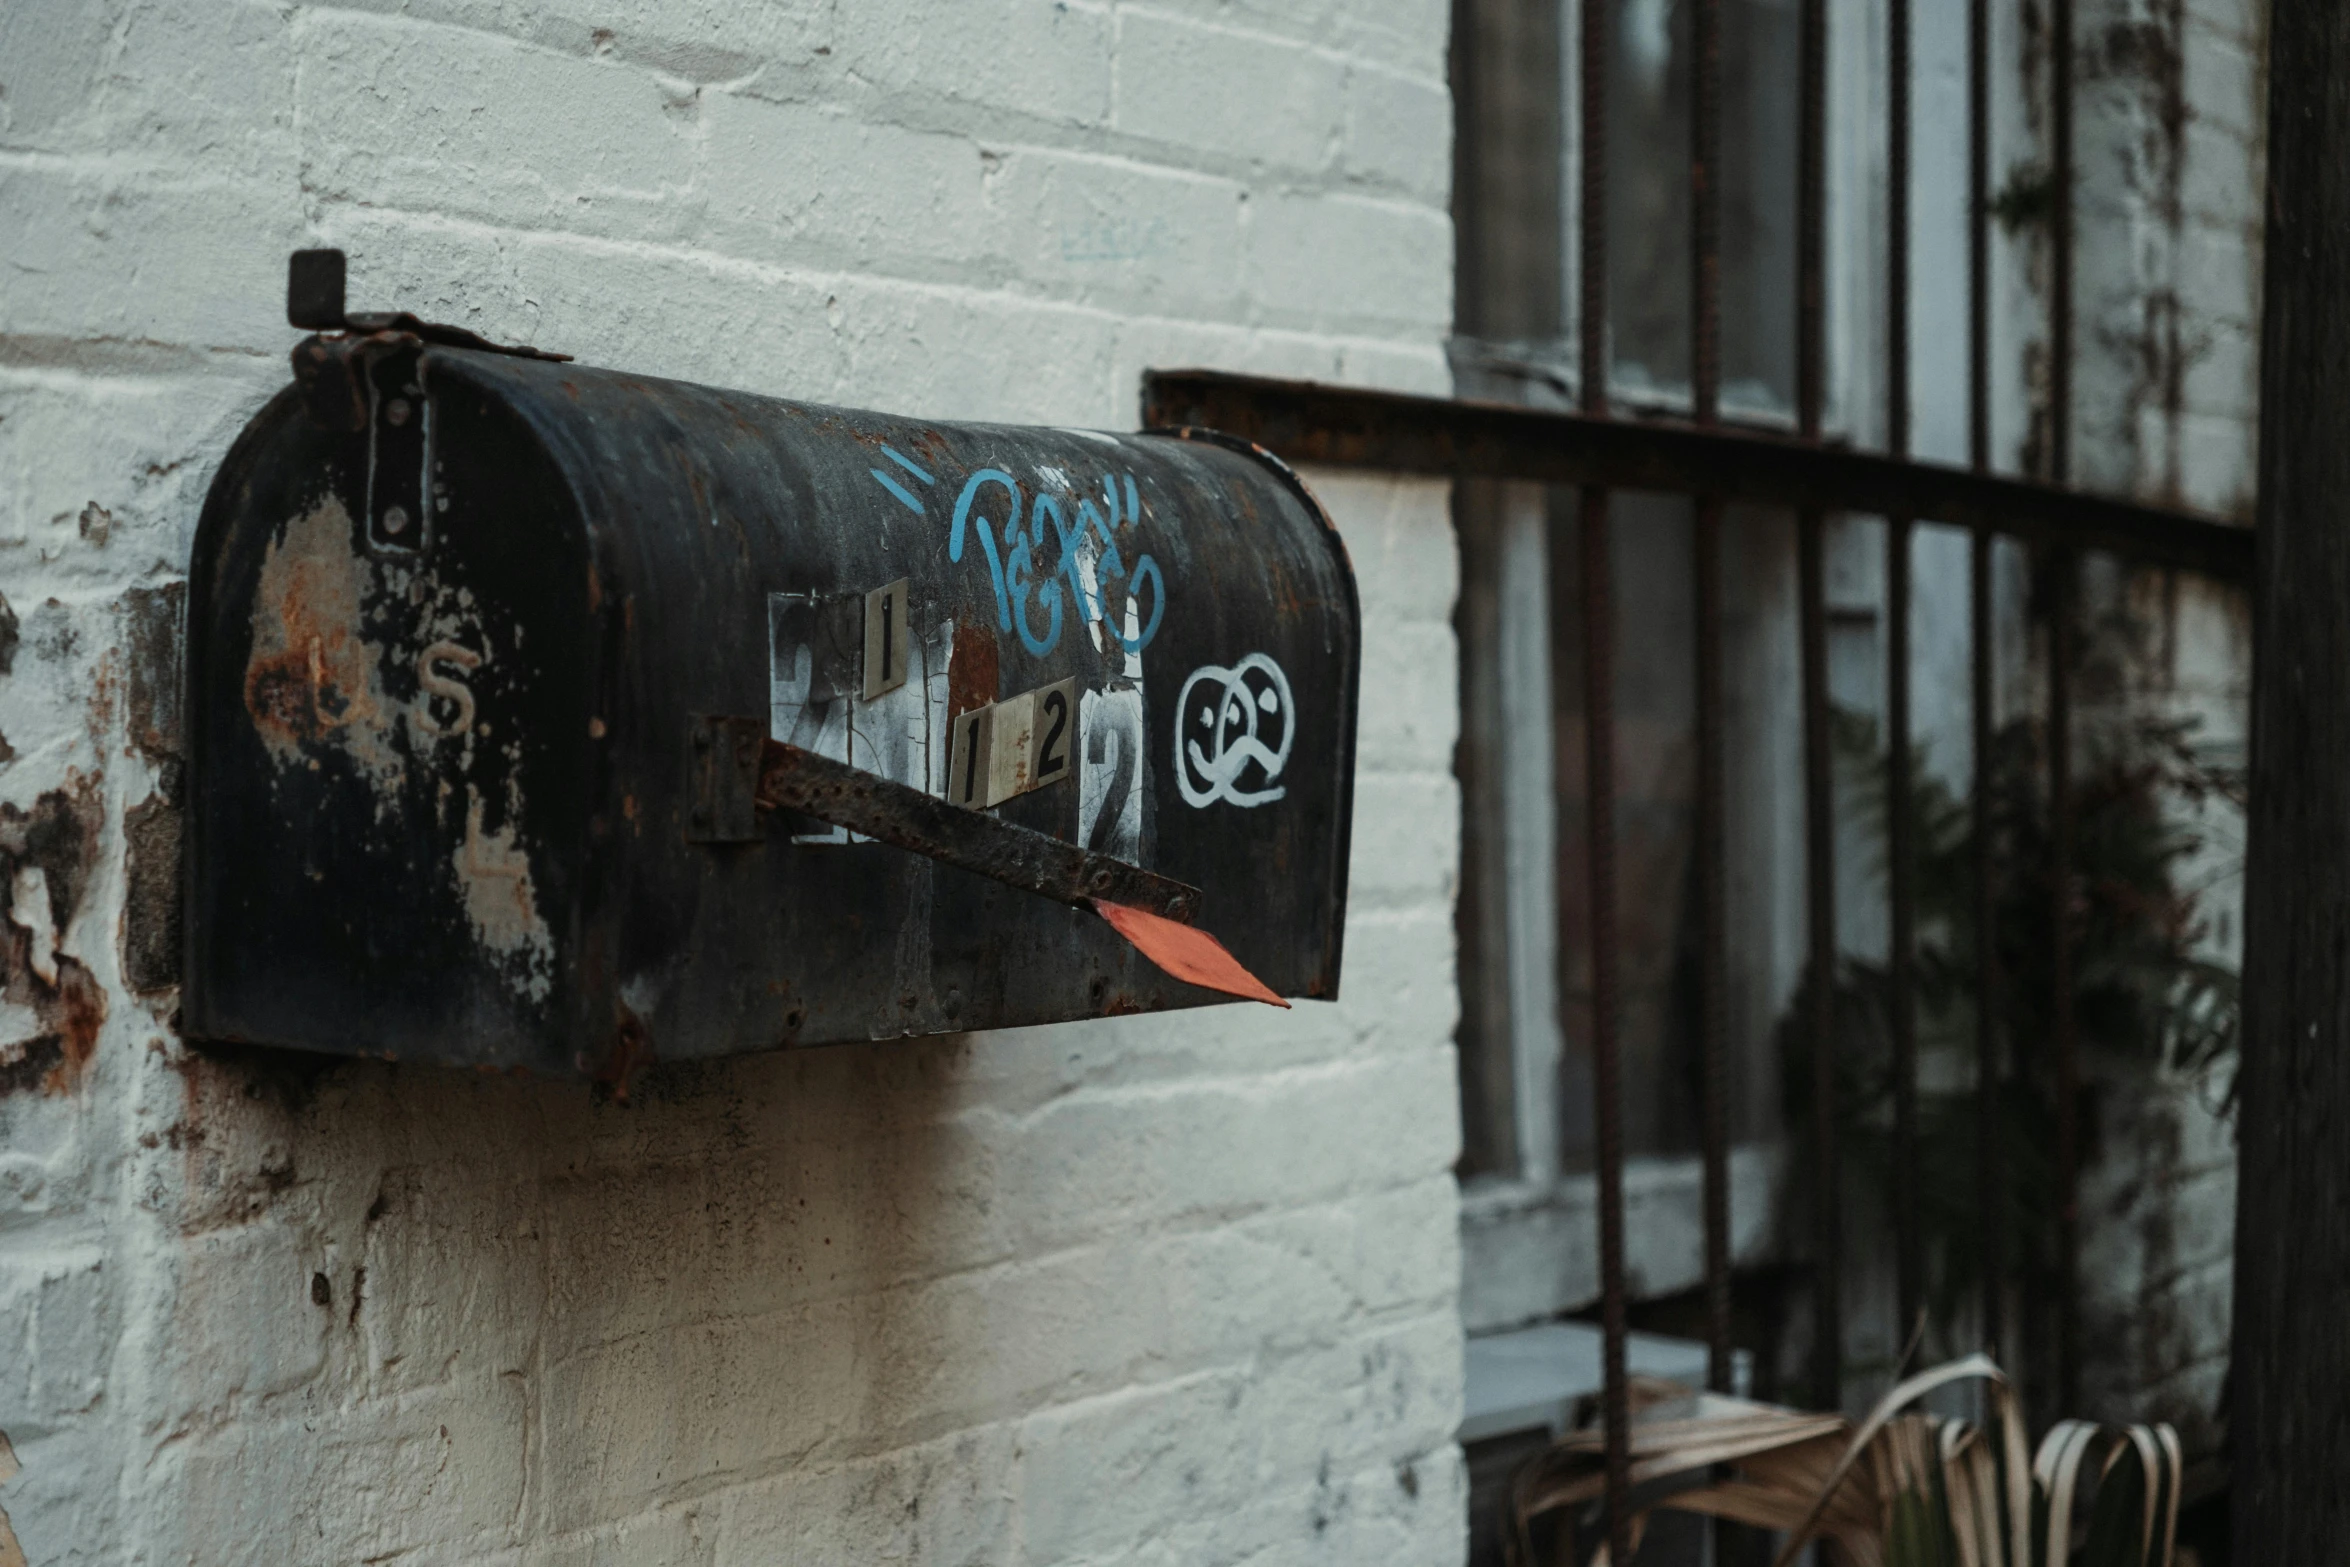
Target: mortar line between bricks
point(986, 124)
point(1324, 341)
point(832, 276)
point(17, 351)
point(1316, 1074)
point(1203, 1222)
point(1191, 22)
point(1374, 1465)
point(313, 10)
point(919, 1433)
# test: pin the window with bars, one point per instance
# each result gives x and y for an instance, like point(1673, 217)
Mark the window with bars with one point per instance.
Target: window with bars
point(1833, 576)
point(1739, 216)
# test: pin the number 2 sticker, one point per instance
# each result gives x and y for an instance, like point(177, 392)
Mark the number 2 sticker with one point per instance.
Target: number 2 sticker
point(1010, 747)
point(1052, 734)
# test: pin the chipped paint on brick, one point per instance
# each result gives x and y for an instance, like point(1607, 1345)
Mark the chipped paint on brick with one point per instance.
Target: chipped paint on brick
point(153, 619)
point(47, 856)
point(154, 642)
point(11, 1553)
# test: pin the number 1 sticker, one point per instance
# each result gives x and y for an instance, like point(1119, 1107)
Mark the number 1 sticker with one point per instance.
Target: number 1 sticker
point(967, 775)
point(1010, 747)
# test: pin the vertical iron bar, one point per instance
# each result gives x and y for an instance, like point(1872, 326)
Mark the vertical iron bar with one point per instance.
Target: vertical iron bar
point(1978, 234)
point(1819, 826)
point(1591, 216)
point(1902, 888)
point(2068, 1076)
point(1705, 316)
point(1897, 229)
point(1901, 882)
point(2060, 804)
point(1599, 760)
point(1606, 1089)
point(1989, 1213)
point(1819, 783)
point(1705, 212)
point(1713, 937)
point(1810, 220)
point(2060, 303)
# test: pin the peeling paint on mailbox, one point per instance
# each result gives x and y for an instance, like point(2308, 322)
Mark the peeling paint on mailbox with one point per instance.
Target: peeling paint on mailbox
point(453, 674)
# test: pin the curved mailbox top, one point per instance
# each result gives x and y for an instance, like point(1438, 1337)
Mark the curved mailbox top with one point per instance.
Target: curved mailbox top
point(482, 650)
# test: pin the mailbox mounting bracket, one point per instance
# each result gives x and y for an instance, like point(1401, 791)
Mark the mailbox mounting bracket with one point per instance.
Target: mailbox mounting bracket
point(723, 784)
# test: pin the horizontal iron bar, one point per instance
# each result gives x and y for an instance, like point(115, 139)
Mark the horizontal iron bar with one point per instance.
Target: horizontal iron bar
point(1306, 422)
point(793, 778)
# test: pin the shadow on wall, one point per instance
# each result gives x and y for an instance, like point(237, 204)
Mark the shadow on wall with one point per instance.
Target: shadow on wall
point(507, 1310)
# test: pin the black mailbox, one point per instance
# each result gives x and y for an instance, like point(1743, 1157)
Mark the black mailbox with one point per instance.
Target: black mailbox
point(527, 703)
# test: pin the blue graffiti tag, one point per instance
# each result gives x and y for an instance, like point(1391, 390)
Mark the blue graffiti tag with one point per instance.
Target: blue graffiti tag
point(1020, 575)
point(1013, 572)
point(995, 565)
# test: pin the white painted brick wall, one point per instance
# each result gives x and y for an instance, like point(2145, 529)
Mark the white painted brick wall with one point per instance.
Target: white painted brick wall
point(2177, 133)
point(1166, 1290)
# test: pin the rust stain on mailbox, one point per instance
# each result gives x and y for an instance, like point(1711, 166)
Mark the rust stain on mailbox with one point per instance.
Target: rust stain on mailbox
point(309, 672)
point(459, 621)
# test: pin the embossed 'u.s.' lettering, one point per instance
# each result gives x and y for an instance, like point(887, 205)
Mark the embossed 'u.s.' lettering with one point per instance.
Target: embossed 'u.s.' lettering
point(447, 688)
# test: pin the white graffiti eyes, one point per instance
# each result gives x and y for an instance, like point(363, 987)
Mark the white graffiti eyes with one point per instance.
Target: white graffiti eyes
point(1233, 729)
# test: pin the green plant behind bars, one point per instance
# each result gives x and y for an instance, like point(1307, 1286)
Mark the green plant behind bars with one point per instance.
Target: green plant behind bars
point(2143, 991)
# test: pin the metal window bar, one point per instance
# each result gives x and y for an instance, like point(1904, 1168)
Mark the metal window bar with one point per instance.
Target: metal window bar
point(1901, 887)
point(1705, 384)
point(1819, 779)
point(2060, 677)
point(1989, 1197)
point(1599, 751)
point(1596, 453)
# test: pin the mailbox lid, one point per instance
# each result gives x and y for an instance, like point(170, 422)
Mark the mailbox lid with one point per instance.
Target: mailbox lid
point(388, 739)
point(708, 555)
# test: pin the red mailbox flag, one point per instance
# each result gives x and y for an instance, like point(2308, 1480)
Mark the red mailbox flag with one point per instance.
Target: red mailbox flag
point(1186, 951)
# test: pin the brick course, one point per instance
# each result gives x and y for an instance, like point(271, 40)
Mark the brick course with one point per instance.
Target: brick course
point(1175, 1289)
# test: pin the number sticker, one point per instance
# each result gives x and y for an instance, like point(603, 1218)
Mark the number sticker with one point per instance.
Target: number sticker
point(1110, 772)
point(1011, 747)
point(1052, 731)
point(967, 775)
point(885, 639)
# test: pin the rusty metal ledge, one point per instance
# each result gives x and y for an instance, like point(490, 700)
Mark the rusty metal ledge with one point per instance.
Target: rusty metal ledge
point(1307, 422)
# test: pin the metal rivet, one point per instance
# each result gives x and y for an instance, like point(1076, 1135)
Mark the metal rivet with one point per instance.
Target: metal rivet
point(395, 519)
point(396, 411)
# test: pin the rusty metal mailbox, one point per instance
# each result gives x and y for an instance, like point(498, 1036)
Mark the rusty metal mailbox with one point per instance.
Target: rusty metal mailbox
point(492, 658)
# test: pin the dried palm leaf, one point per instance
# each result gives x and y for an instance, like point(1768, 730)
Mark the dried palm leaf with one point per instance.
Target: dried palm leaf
point(1901, 1489)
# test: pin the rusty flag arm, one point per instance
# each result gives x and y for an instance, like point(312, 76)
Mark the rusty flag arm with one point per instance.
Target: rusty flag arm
point(794, 778)
point(1151, 911)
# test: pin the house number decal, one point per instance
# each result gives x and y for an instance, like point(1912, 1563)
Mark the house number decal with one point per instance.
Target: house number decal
point(1010, 747)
